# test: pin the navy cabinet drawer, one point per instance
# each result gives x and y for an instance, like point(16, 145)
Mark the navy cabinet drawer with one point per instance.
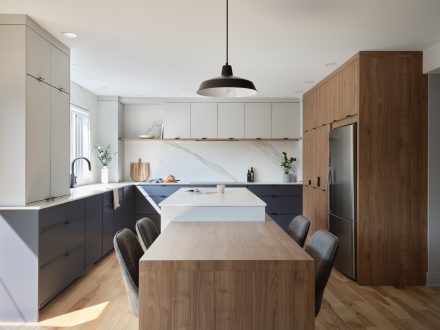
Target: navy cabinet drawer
point(55, 215)
point(276, 190)
point(162, 190)
point(282, 204)
point(158, 199)
point(143, 205)
point(58, 274)
point(59, 239)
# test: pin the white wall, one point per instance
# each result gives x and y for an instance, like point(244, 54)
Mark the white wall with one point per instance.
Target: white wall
point(431, 59)
point(110, 127)
point(83, 98)
point(201, 160)
point(434, 182)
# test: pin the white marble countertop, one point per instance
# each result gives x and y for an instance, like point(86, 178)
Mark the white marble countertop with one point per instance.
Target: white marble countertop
point(75, 194)
point(241, 197)
point(98, 188)
point(194, 183)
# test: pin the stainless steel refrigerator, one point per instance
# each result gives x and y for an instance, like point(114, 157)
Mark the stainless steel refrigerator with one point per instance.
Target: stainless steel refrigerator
point(342, 196)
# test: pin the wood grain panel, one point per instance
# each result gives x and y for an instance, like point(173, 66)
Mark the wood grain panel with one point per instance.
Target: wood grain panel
point(385, 92)
point(392, 170)
point(226, 275)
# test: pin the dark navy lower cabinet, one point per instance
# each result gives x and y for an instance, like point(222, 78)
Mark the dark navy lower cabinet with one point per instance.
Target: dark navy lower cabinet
point(93, 229)
point(284, 202)
point(143, 208)
point(107, 222)
point(59, 273)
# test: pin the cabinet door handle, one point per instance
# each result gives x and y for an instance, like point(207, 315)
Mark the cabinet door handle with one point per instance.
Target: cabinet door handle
point(61, 89)
point(66, 222)
point(318, 181)
point(40, 78)
point(67, 254)
point(176, 138)
point(274, 213)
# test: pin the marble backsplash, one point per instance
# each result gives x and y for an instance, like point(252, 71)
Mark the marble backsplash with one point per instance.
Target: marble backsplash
point(222, 161)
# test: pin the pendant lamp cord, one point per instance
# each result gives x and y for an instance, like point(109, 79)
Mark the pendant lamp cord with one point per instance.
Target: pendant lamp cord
point(227, 31)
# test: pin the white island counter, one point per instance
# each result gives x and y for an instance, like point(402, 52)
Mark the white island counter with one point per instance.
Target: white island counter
point(236, 204)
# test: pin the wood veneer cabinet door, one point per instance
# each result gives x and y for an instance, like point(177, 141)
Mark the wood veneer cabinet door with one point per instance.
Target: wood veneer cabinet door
point(350, 90)
point(306, 158)
point(392, 170)
point(315, 208)
point(307, 112)
point(322, 156)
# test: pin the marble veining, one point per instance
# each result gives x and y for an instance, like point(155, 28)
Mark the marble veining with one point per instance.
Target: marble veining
point(222, 161)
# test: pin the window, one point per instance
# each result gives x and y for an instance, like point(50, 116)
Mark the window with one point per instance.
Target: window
point(79, 137)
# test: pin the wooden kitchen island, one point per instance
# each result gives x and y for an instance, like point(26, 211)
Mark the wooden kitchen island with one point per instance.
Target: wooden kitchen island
point(226, 275)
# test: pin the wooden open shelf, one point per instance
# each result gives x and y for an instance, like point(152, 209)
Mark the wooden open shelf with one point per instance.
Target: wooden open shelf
point(203, 139)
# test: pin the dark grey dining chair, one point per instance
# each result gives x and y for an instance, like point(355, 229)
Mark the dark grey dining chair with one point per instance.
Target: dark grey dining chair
point(298, 229)
point(147, 232)
point(129, 252)
point(322, 247)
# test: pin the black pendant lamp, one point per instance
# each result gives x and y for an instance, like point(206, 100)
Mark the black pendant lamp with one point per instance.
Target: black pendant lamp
point(227, 85)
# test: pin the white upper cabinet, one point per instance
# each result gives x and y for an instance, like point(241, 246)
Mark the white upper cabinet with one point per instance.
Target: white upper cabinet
point(203, 120)
point(231, 120)
point(59, 143)
point(38, 56)
point(258, 121)
point(60, 70)
point(177, 121)
point(37, 140)
point(286, 121)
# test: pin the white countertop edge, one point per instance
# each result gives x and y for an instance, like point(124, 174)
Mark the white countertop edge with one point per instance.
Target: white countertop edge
point(76, 194)
point(99, 188)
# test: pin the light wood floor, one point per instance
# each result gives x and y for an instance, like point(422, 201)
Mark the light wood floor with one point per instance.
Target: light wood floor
point(98, 301)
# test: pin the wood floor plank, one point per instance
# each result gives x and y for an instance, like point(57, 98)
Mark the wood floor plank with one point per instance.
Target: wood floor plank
point(98, 301)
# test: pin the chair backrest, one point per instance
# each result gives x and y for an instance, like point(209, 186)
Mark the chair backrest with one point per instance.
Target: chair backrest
point(147, 232)
point(322, 247)
point(298, 229)
point(129, 252)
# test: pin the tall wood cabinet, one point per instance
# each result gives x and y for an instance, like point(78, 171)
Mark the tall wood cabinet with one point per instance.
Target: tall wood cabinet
point(34, 113)
point(385, 93)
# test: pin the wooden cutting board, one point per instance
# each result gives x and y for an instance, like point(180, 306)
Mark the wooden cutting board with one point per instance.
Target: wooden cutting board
point(139, 171)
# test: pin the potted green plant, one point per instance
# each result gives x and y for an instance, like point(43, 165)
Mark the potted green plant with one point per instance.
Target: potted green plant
point(105, 156)
point(288, 164)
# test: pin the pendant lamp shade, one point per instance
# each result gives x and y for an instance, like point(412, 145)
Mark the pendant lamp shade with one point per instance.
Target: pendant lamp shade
point(227, 85)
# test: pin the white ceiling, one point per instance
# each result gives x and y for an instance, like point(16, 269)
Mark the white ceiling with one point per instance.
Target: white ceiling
point(167, 47)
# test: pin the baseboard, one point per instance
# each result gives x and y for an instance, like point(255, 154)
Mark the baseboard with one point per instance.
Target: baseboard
point(432, 279)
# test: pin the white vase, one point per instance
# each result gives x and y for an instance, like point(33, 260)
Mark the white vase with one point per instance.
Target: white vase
point(287, 178)
point(104, 174)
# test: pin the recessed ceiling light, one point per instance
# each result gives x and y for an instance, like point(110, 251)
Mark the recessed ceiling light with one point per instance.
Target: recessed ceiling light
point(330, 64)
point(69, 35)
point(309, 81)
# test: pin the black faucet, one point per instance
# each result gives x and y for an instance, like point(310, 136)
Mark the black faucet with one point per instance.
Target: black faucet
point(72, 175)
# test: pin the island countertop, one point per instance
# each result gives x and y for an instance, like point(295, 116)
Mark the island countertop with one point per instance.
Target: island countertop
point(183, 245)
point(210, 197)
point(226, 275)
